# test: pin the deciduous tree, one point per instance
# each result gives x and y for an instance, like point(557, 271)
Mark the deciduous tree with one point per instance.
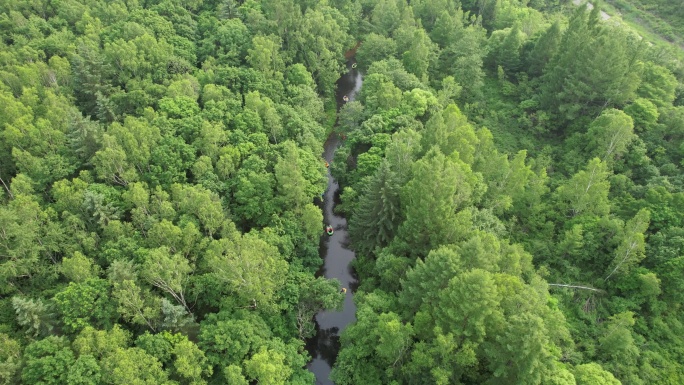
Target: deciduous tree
point(586, 191)
point(609, 134)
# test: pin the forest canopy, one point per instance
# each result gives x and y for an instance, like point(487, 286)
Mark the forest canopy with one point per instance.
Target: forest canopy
point(511, 176)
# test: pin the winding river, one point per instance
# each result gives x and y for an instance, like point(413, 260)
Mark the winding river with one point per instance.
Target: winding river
point(325, 345)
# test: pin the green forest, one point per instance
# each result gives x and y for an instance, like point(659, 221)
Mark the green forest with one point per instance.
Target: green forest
point(512, 176)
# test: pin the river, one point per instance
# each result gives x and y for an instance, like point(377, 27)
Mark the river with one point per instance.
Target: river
point(324, 346)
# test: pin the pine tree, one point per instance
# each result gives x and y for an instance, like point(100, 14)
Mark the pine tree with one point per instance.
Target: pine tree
point(378, 213)
point(509, 52)
point(544, 49)
point(595, 68)
point(432, 201)
point(447, 28)
point(33, 314)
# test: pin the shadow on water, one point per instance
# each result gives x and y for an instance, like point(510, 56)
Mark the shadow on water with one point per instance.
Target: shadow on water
point(325, 345)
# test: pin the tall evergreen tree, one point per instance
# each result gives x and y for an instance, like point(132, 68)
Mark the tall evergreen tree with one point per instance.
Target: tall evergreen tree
point(447, 28)
point(432, 200)
point(378, 214)
point(544, 49)
point(509, 52)
point(595, 68)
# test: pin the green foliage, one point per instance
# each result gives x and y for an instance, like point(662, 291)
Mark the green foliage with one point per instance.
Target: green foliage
point(494, 146)
point(10, 359)
point(416, 54)
point(440, 187)
point(544, 49)
point(247, 267)
point(386, 16)
point(423, 281)
point(586, 191)
point(168, 273)
point(631, 249)
point(374, 48)
point(463, 59)
point(227, 340)
point(79, 268)
point(265, 58)
point(85, 371)
point(378, 213)
point(48, 361)
point(86, 303)
point(644, 114)
point(508, 52)
point(132, 366)
point(33, 314)
point(298, 177)
point(657, 85)
point(313, 295)
point(189, 362)
point(593, 374)
point(577, 81)
point(267, 367)
point(456, 320)
point(100, 343)
point(609, 134)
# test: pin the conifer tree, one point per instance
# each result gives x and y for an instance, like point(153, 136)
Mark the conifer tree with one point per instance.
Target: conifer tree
point(509, 52)
point(378, 213)
point(544, 49)
point(595, 68)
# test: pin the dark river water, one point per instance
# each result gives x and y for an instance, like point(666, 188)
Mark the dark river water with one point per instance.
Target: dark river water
point(324, 346)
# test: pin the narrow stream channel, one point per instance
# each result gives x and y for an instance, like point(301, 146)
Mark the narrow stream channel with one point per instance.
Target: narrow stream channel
point(324, 346)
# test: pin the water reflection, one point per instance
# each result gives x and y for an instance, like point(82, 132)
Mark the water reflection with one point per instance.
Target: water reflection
point(325, 345)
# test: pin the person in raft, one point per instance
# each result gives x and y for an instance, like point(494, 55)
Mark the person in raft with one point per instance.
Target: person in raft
point(329, 230)
point(345, 98)
point(344, 290)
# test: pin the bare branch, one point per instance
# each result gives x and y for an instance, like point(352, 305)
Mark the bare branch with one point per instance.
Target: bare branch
point(7, 188)
point(576, 287)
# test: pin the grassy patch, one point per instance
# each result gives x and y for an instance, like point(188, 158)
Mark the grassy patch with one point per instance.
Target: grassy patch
point(651, 27)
